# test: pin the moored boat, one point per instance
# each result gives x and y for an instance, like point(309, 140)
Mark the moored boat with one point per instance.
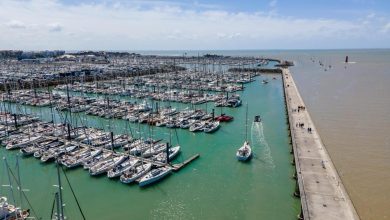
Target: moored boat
point(155, 175)
point(224, 118)
point(135, 173)
point(211, 126)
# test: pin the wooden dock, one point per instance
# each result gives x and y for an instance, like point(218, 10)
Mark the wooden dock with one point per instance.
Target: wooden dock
point(177, 167)
point(320, 188)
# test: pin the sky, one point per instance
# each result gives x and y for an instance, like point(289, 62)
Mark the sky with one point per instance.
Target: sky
point(193, 25)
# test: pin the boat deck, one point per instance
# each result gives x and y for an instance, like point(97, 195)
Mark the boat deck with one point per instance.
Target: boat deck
point(321, 190)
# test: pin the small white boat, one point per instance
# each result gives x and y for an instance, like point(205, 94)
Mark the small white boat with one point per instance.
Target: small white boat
point(135, 173)
point(197, 126)
point(96, 159)
point(244, 153)
point(139, 149)
point(162, 157)
point(80, 158)
point(52, 154)
point(211, 126)
point(119, 141)
point(155, 175)
point(106, 165)
point(155, 149)
point(121, 168)
point(20, 143)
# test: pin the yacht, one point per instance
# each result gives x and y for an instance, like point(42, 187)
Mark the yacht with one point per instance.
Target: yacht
point(78, 159)
point(197, 126)
point(211, 126)
point(121, 168)
point(155, 175)
point(20, 143)
point(106, 165)
point(162, 157)
point(155, 149)
point(244, 153)
point(135, 173)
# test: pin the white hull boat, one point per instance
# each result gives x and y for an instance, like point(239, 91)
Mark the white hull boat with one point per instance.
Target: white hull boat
point(135, 173)
point(244, 153)
point(155, 175)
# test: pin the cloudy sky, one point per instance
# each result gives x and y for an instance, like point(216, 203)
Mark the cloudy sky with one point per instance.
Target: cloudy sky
point(185, 24)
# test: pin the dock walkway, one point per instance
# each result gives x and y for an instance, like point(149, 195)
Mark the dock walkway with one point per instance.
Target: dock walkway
point(321, 190)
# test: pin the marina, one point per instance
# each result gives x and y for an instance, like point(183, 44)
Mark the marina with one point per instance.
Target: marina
point(201, 109)
point(193, 145)
point(154, 104)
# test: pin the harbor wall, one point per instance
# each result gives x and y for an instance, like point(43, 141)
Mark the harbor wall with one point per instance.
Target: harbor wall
point(322, 193)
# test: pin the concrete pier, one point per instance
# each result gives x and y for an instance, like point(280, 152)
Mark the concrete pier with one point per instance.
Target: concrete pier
point(320, 188)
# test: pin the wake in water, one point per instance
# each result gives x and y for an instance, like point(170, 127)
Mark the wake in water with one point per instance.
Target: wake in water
point(259, 141)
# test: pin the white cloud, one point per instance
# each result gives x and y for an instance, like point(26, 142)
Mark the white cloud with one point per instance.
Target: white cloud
point(386, 28)
point(171, 26)
point(15, 24)
point(55, 27)
point(273, 3)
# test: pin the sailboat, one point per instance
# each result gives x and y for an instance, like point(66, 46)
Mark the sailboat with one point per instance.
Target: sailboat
point(244, 153)
point(155, 175)
point(159, 173)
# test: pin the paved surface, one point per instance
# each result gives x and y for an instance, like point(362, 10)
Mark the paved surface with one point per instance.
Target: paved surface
point(322, 193)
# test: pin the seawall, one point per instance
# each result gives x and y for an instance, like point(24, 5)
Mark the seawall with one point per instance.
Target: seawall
point(319, 186)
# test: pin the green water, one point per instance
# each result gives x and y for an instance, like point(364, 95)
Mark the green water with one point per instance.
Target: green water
point(216, 186)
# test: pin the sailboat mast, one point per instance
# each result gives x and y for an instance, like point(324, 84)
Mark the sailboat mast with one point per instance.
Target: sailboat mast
point(20, 184)
point(10, 183)
point(58, 205)
point(246, 123)
point(51, 104)
point(61, 208)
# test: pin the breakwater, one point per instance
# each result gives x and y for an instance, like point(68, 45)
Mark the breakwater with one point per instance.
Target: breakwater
point(319, 186)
